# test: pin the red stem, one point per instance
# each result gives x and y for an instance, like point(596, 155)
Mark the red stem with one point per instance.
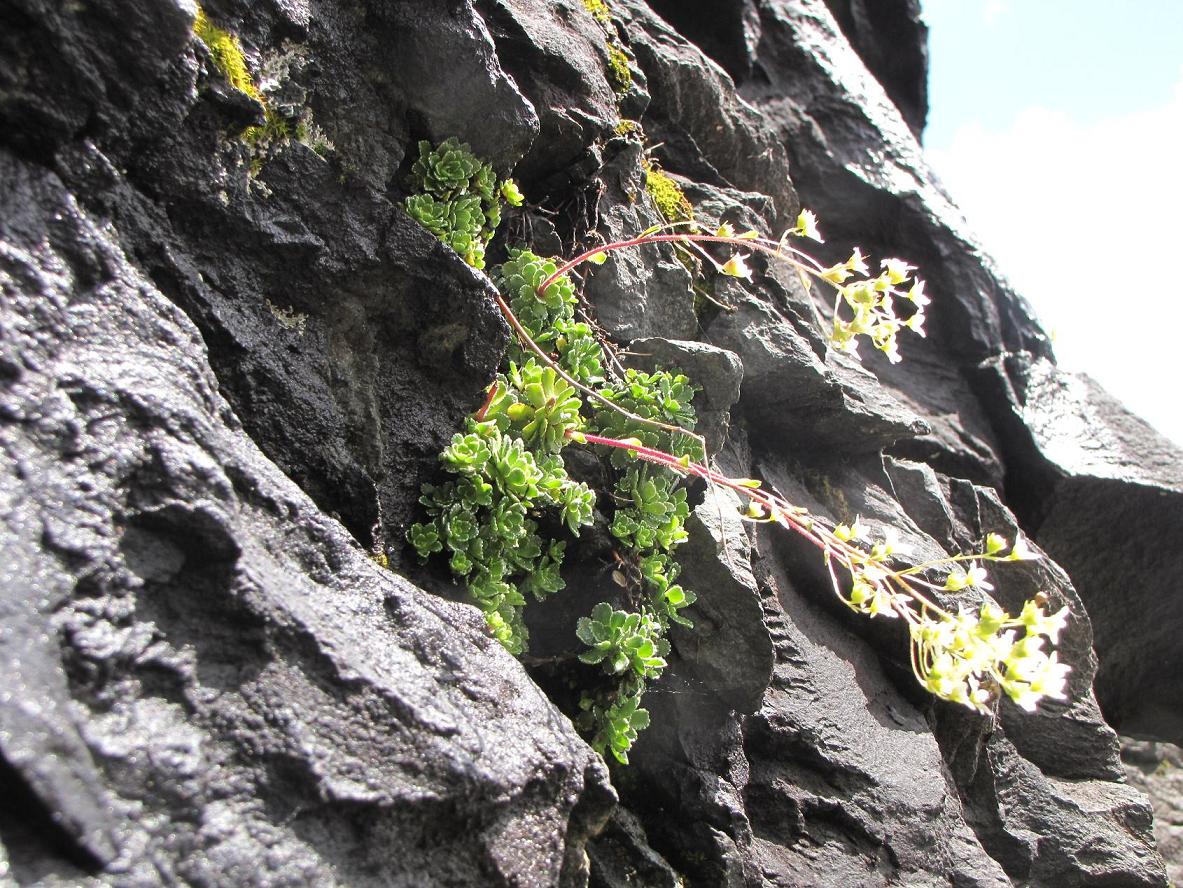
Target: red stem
point(776, 507)
point(489, 396)
point(755, 245)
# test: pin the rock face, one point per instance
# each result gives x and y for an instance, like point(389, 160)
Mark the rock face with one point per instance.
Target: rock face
point(208, 681)
point(1157, 768)
point(1100, 469)
point(227, 365)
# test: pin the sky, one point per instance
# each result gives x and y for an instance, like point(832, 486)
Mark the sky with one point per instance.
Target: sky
point(1057, 127)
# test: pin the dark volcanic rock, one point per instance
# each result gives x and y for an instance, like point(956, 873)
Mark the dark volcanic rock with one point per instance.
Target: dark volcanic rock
point(892, 40)
point(1116, 486)
point(724, 30)
point(636, 293)
point(1157, 769)
point(857, 165)
point(227, 365)
point(702, 128)
point(208, 682)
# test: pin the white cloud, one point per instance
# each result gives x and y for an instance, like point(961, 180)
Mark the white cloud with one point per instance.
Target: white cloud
point(1087, 222)
point(989, 11)
point(993, 9)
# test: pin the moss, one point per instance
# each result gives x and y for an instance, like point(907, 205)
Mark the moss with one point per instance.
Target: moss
point(670, 201)
point(628, 127)
point(227, 55)
point(274, 130)
point(599, 11)
point(619, 72)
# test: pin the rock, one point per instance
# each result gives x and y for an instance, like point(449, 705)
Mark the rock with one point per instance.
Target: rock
point(1116, 486)
point(1157, 769)
point(444, 62)
point(621, 857)
point(226, 368)
point(557, 55)
point(1025, 806)
point(793, 393)
point(704, 129)
point(726, 32)
point(859, 167)
point(728, 652)
point(209, 682)
point(892, 40)
point(639, 292)
point(844, 784)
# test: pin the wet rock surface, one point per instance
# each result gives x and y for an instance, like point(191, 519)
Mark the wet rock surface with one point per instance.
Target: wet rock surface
point(1112, 485)
point(226, 369)
point(208, 680)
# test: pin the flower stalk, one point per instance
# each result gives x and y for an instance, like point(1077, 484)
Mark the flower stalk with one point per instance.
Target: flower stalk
point(956, 655)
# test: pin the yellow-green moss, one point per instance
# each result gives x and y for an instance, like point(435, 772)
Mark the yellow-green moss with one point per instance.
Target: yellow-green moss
point(599, 11)
point(619, 73)
point(227, 55)
point(274, 129)
point(670, 201)
point(628, 127)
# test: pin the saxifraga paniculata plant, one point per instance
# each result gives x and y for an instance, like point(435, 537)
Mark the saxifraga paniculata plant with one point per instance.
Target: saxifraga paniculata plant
point(556, 390)
point(457, 197)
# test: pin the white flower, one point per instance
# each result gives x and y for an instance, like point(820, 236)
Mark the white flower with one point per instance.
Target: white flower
point(807, 226)
point(1021, 551)
point(1052, 679)
point(956, 580)
point(857, 262)
point(891, 545)
point(977, 577)
point(897, 270)
point(1039, 623)
point(995, 543)
point(853, 531)
point(736, 266)
point(881, 602)
point(916, 294)
point(1022, 694)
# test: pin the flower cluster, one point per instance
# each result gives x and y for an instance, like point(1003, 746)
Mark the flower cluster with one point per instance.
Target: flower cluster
point(959, 656)
point(872, 303)
point(965, 658)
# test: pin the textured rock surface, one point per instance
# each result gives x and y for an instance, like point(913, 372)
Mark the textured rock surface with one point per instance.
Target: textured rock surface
point(225, 371)
point(892, 40)
point(1112, 485)
point(208, 681)
point(1157, 769)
